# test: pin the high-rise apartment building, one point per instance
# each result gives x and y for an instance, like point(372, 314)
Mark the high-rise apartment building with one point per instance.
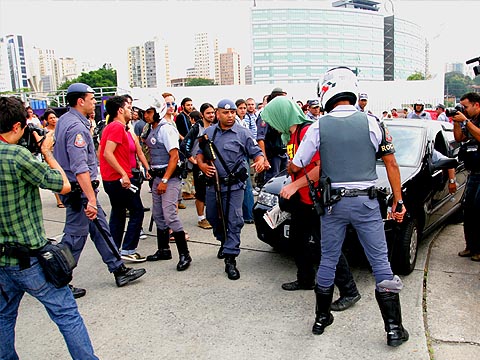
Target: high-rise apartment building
point(248, 75)
point(149, 65)
point(216, 57)
point(66, 69)
point(16, 62)
point(230, 69)
point(43, 67)
point(202, 55)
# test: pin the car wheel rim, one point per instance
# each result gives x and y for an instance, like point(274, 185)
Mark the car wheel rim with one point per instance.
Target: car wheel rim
point(413, 245)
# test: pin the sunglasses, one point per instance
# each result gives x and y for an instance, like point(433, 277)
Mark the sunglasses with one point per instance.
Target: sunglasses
point(170, 104)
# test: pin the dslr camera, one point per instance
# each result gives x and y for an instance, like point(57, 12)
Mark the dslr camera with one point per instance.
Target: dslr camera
point(453, 111)
point(28, 139)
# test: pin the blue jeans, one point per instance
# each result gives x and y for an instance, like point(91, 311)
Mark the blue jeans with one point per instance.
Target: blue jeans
point(122, 199)
point(59, 303)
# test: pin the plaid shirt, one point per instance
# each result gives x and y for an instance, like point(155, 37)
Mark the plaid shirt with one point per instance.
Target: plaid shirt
point(21, 220)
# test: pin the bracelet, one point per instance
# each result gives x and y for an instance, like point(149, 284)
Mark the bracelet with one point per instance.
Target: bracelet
point(92, 206)
point(452, 181)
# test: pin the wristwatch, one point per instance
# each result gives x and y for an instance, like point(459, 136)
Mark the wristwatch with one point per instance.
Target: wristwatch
point(466, 122)
point(452, 181)
point(164, 180)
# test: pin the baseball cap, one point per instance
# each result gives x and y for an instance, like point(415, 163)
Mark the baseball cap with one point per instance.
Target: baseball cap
point(313, 103)
point(226, 104)
point(278, 90)
point(79, 88)
point(441, 106)
point(362, 96)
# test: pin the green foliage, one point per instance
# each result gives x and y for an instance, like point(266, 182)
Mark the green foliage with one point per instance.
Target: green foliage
point(102, 77)
point(416, 76)
point(457, 84)
point(200, 82)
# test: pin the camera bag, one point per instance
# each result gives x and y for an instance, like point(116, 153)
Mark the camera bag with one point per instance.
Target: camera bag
point(57, 262)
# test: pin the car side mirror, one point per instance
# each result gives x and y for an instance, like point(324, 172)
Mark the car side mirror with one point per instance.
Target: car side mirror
point(445, 164)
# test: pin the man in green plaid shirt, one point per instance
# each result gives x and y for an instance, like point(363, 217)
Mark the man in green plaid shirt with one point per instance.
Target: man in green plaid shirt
point(21, 224)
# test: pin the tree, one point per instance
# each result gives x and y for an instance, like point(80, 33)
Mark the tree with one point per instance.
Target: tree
point(103, 77)
point(416, 76)
point(457, 84)
point(200, 82)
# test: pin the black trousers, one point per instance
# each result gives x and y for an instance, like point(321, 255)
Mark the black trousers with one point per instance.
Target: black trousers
point(471, 213)
point(305, 235)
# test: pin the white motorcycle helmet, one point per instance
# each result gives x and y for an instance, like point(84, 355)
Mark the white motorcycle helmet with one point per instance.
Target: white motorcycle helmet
point(339, 83)
point(419, 102)
point(151, 102)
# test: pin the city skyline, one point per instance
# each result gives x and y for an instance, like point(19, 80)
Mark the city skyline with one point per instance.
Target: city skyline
point(49, 24)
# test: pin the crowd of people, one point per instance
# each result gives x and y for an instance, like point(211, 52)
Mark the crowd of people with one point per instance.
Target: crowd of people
point(208, 155)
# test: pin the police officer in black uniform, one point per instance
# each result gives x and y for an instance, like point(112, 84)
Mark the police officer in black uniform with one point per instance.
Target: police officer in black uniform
point(349, 143)
point(466, 127)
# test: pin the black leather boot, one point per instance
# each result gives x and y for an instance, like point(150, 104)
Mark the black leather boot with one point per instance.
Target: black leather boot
point(184, 255)
point(220, 254)
point(346, 284)
point(323, 316)
point(124, 275)
point(163, 252)
point(231, 267)
point(389, 304)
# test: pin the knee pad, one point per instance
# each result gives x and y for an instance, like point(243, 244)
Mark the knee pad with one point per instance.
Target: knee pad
point(395, 285)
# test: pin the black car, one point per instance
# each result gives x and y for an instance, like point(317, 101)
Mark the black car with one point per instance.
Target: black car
point(424, 188)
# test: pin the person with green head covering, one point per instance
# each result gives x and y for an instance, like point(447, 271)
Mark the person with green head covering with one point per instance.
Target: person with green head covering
point(287, 117)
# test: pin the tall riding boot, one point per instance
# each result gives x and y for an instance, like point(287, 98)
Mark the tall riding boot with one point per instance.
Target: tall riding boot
point(163, 252)
point(323, 316)
point(183, 253)
point(231, 267)
point(389, 304)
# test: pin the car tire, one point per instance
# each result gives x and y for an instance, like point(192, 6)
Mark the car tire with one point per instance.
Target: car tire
point(405, 247)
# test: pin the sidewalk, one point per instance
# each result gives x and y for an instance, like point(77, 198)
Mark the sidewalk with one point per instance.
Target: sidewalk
point(452, 298)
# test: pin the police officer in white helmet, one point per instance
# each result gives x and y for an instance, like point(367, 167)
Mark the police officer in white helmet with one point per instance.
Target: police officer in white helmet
point(349, 143)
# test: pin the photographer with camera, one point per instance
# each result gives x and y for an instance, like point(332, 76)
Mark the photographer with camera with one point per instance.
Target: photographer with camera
point(20, 271)
point(466, 128)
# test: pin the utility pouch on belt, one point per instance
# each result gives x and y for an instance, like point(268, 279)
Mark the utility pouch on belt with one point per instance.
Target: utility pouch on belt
point(326, 187)
point(57, 262)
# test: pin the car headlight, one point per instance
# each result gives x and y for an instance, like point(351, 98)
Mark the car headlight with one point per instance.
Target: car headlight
point(267, 199)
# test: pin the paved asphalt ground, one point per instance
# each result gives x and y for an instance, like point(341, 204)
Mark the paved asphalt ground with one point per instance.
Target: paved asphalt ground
point(200, 314)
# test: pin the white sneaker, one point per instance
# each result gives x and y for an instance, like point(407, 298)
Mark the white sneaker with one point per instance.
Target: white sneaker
point(255, 192)
point(143, 236)
point(134, 258)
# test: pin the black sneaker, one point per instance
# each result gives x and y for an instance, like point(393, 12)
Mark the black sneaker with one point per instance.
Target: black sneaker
point(124, 275)
point(344, 302)
point(295, 285)
point(77, 292)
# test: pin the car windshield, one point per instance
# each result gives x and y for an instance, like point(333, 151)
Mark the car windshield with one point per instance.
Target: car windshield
point(408, 144)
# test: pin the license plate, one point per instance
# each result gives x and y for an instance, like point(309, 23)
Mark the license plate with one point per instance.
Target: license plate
point(286, 231)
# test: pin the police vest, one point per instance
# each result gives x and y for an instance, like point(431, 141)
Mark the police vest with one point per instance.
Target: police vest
point(346, 151)
point(158, 152)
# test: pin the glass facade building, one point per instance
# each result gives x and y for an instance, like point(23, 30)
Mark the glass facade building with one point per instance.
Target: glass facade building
point(297, 45)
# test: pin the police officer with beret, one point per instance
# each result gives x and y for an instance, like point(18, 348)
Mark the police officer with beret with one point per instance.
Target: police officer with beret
point(349, 143)
point(222, 152)
point(75, 152)
point(161, 138)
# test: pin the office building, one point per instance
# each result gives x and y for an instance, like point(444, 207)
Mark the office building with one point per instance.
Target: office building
point(230, 68)
point(16, 61)
point(298, 43)
point(202, 56)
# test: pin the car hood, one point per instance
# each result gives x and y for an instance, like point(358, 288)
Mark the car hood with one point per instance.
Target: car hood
point(405, 174)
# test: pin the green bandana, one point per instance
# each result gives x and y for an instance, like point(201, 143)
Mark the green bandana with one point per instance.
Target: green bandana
point(281, 113)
